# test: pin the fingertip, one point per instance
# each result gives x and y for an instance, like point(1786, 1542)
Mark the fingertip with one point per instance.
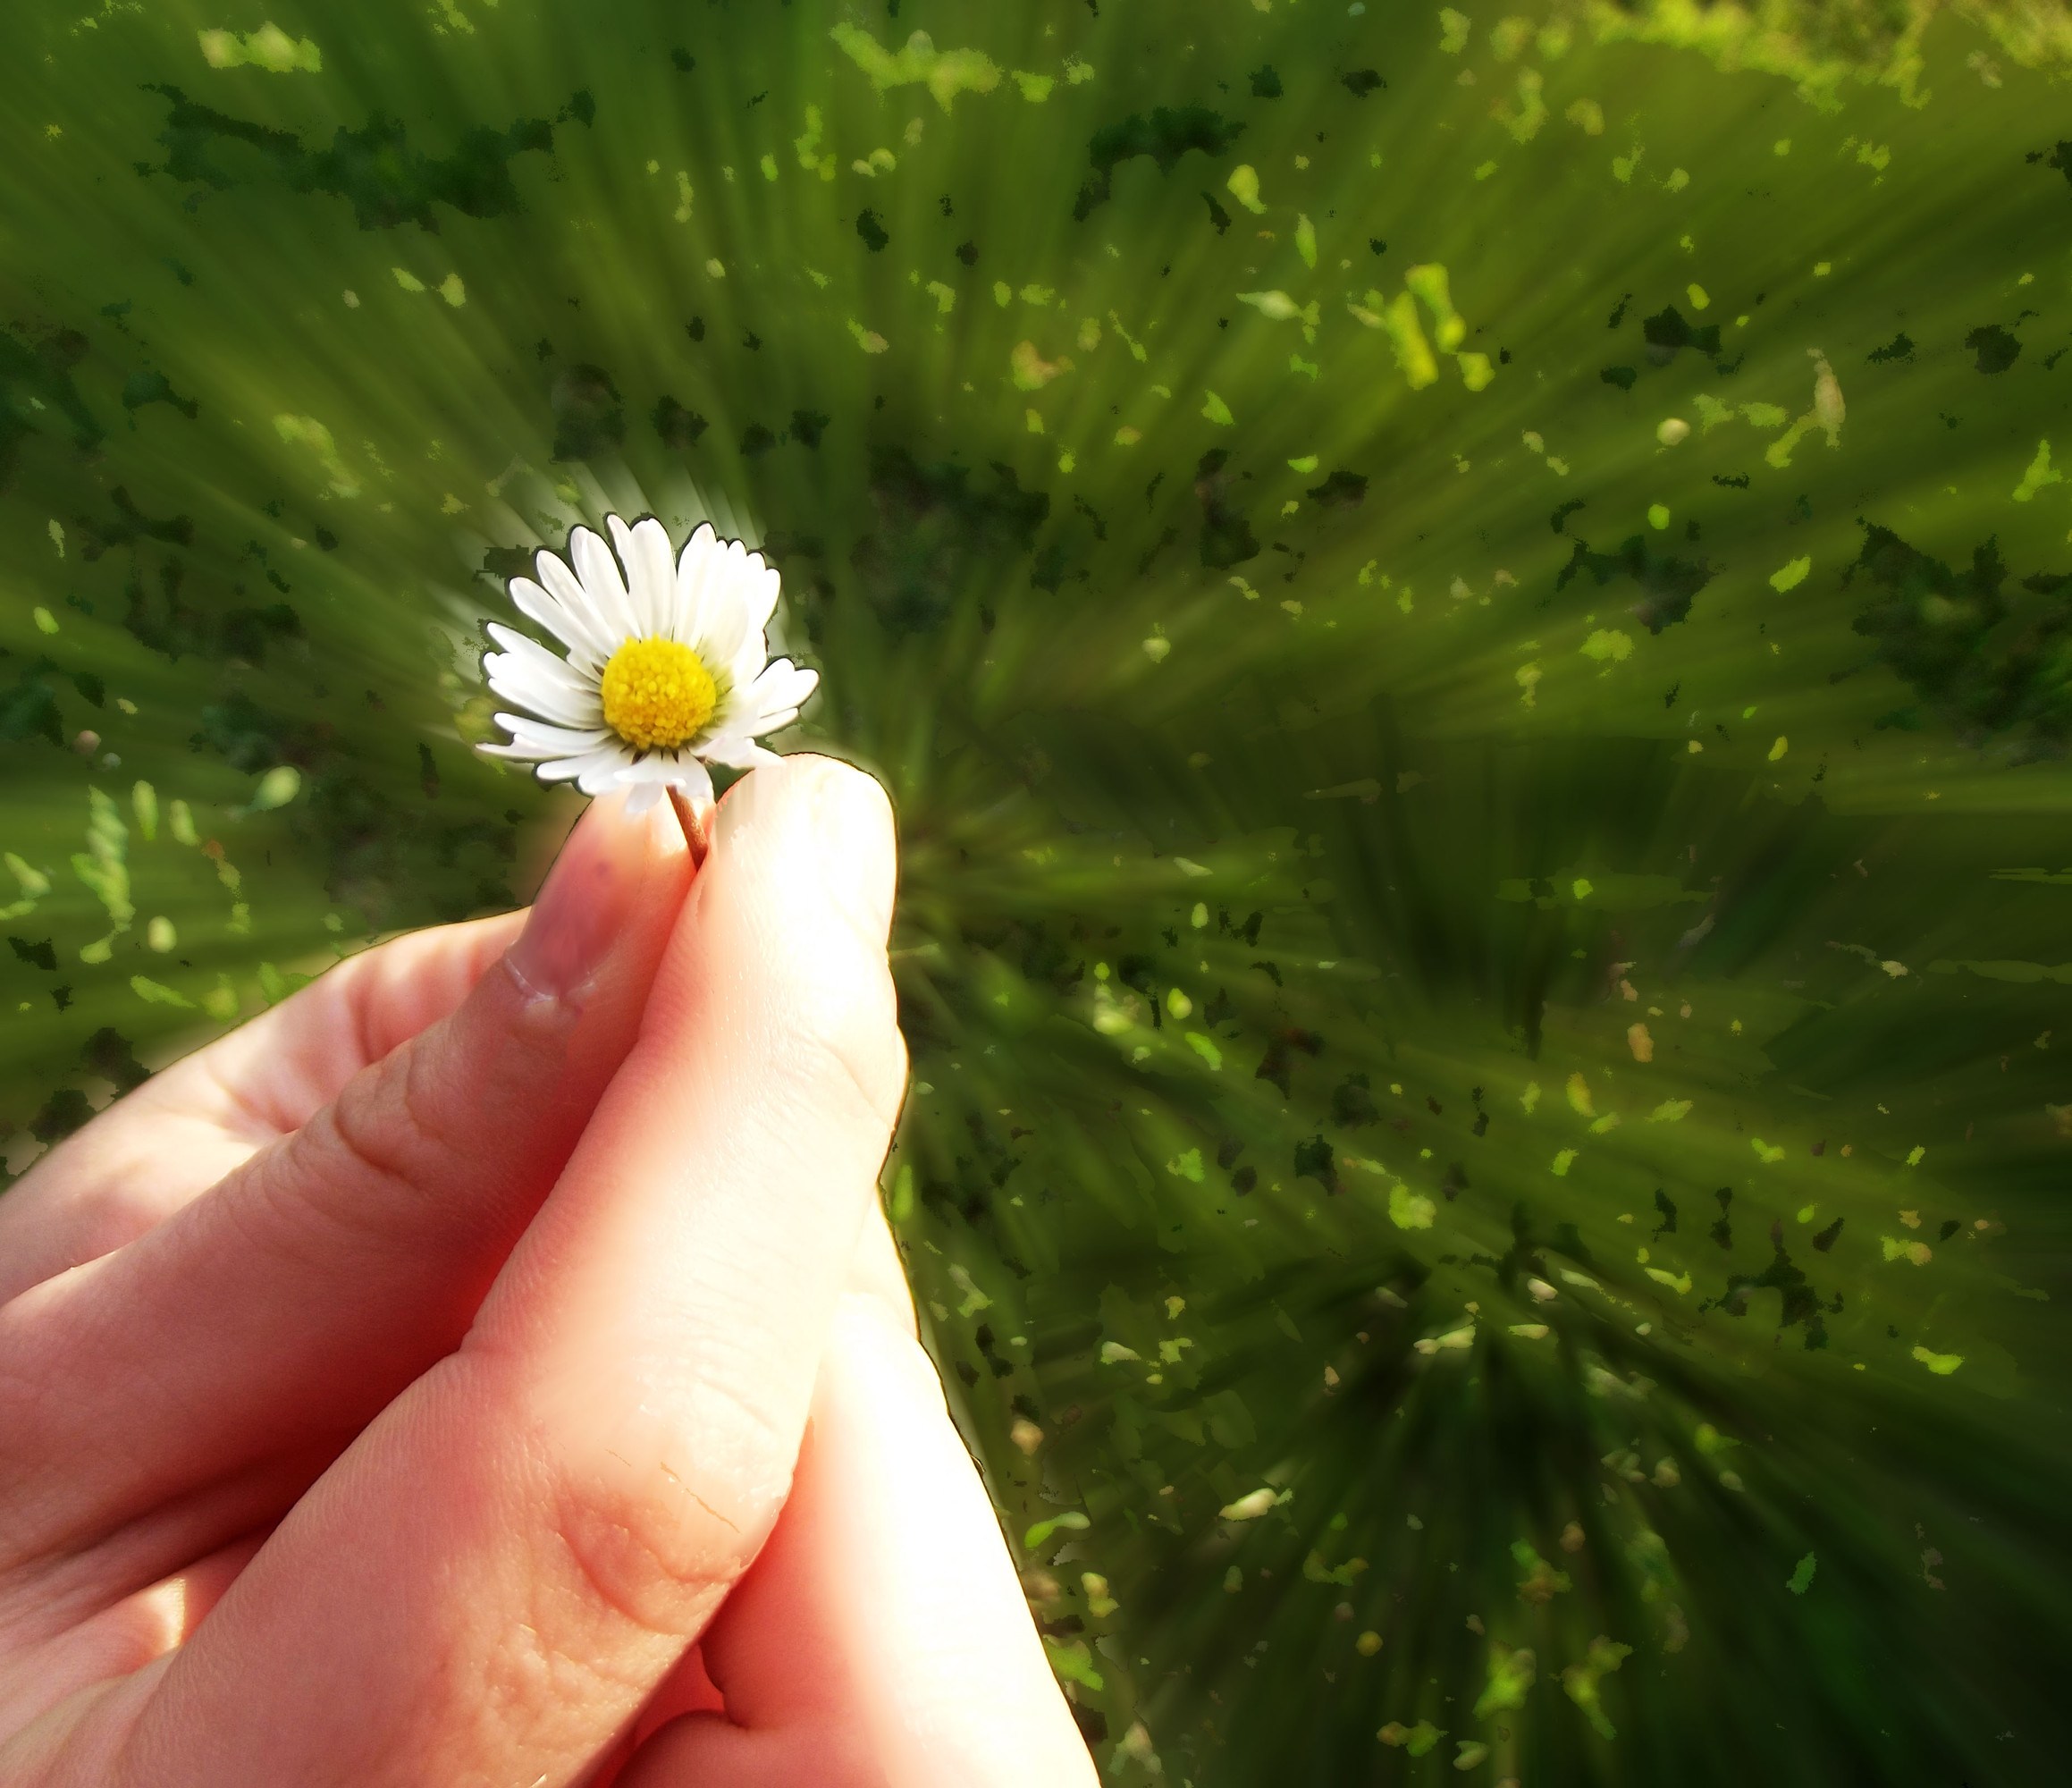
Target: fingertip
point(858, 853)
point(612, 862)
point(795, 904)
point(827, 825)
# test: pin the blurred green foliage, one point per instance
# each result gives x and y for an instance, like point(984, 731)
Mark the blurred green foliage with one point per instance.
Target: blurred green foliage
point(1469, 618)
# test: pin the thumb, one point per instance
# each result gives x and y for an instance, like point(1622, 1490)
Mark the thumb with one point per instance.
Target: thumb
point(292, 1300)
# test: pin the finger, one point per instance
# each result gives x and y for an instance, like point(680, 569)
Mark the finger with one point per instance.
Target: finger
point(875, 1272)
point(193, 1123)
point(882, 1636)
point(294, 1300)
point(120, 1639)
point(878, 1271)
point(515, 1554)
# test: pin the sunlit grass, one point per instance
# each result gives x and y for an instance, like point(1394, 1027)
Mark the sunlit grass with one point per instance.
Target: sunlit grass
point(1468, 621)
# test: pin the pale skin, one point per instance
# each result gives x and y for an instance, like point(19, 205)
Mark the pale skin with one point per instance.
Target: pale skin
point(490, 1367)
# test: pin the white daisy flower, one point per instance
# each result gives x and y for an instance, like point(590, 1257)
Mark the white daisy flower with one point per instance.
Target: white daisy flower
point(666, 668)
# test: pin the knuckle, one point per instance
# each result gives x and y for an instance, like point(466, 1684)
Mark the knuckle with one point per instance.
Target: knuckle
point(627, 1554)
point(368, 1172)
point(444, 1112)
point(393, 1127)
point(658, 1515)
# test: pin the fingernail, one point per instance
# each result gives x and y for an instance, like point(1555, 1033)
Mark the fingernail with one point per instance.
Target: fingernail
point(590, 893)
point(859, 861)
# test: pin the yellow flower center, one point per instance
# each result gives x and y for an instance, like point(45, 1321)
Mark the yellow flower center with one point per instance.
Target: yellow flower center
point(657, 693)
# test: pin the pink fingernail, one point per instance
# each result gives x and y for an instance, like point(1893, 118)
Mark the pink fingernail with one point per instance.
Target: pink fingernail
point(589, 894)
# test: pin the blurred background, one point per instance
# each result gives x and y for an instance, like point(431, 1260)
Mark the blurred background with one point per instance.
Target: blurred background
point(1469, 617)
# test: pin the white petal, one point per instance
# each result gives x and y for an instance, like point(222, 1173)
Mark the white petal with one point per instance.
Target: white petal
point(651, 577)
point(693, 570)
point(694, 778)
point(747, 719)
point(563, 707)
point(651, 766)
point(725, 626)
point(767, 705)
point(596, 771)
point(523, 727)
point(781, 685)
point(652, 542)
point(567, 588)
point(764, 584)
point(622, 546)
point(534, 738)
point(670, 769)
point(747, 666)
point(738, 753)
point(644, 795)
point(558, 769)
point(545, 763)
point(576, 629)
point(622, 549)
point(602, 583)
point(516, 753)
point(528, 673)
point(759, 602)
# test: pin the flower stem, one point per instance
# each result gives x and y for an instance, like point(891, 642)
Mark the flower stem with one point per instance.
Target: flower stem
point(697, 820)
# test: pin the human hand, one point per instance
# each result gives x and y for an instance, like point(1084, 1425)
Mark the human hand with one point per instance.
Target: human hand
point(401, 1388)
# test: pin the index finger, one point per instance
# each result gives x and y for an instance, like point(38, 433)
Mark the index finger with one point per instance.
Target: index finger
point(198, 1120)
point(522, 1545)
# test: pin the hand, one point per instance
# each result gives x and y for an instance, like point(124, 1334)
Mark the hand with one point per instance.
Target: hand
point(401, 1389)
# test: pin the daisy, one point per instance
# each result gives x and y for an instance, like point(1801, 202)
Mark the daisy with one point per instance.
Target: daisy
point(666, 668)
